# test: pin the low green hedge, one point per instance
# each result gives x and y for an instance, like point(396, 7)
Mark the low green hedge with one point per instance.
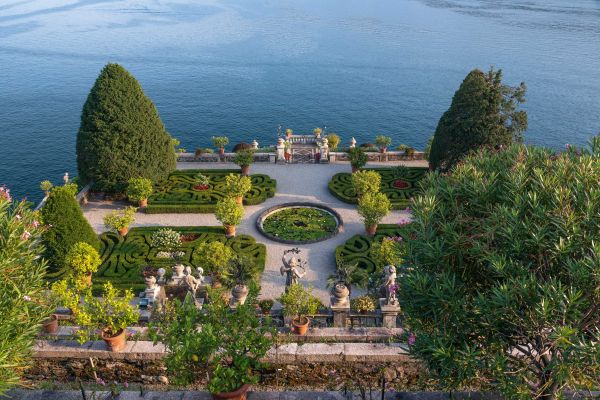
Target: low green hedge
point(177, 193)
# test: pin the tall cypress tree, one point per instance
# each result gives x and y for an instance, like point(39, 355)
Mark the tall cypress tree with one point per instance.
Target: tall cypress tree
point(121, 135)
point(483, 113)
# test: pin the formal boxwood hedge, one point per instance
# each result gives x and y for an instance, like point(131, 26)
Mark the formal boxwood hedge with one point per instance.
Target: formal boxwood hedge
point(123, 258)
point(341, 185)
point(357, 249)
point(177, 193)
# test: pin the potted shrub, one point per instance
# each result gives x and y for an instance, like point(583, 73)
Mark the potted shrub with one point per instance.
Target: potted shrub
point(120, 220)
point(214, 257)
point(363, 304)
point(365, 182)
point(138, 190)
point(333, 140)
point(241, 270)
point(202, 182)
point(357, 157)
point(244, 158)
point(410, 152)
point(83, 260)
point(50, 324)
point(383, 142)
point(288, 133)
point(220, 142)
point(372, 207)
point(111, 314)
point(46, 186)
point(68, 292)
point(229, 347)
point(344, 277)
point(237, 186)
point(298, 303)
point(287, 147)
point(230, 213)
point(266, 305)
point(317, 132)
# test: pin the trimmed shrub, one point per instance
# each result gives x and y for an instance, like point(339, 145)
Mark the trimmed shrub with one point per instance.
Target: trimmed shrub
point(372, 207)
point(333, 140)
point(242, 146)
point(121, 135)
point(83, 259)
point(229, 212)
point(139, 189)
point(365, 182)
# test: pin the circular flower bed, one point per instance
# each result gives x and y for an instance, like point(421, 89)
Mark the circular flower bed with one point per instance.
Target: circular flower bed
point(400, 184)
point(299, 223)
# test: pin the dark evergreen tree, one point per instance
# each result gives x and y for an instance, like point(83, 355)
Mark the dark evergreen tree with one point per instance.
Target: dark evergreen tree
point(483, 113)
point(66, 226)
point(121, 135)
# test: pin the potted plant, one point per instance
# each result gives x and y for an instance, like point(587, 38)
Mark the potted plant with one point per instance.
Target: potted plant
point(333, 140)
point(138, 190)
point(230, 213)
point(358, 158)
point(409, 152)
point(241, 270)
point(244, 158)
point(220, 142)
point(363, 304)
point(111, 314)
point(298, 303)
point(214, 257)
point(266, 305)
point(50, 324)
point(287, 146)
point(120, 220)
point(237, 186)
point(372, 207)
point(317, 132)
point(342, 278)
point(383, 142)
point(83, 260)
point(68, 292)
point(288, 133)
point(229, 347)
point(46, 186)
point(365, 182)
point(202, 182)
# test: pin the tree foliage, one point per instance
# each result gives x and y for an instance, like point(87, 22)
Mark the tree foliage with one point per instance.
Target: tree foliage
point(121, 135)
point(505, 280)
point(483, 113)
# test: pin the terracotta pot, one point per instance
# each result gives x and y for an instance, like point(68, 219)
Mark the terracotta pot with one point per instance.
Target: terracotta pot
point(382, 149)
point(371, 230)
point(245, 170)
point(229, 230)
point(354, 169)
point(51, 324)
point(115, 343)
point(239, 199)
point(87, 279)
point(221, 150)
point(143, 203)
point(239, 394)
point(124, 231)
point(300, 325)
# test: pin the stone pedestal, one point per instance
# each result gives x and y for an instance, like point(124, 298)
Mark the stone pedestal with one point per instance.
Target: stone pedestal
point(389, 313)
point(341, 310)
point(280, 151)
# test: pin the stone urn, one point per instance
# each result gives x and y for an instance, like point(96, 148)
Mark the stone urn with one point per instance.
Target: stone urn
point(239, 293)
point(340, 293)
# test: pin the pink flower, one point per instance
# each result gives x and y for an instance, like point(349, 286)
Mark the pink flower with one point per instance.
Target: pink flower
point(35, 224)
point(125, 384)
point(404, 221)
point(5, 194)
point(99, 381)
point(26, 298)
point(412, 338)
point(408, 210)
point(26, 235)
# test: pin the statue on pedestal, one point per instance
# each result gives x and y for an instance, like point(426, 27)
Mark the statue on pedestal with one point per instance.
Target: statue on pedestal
point(293, 268)
point(390, 285)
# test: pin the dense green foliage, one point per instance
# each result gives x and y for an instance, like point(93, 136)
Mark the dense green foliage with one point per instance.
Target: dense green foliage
point(124, 258)
point(300, 224)
point(365, 181)
point(177, 193)
point(504, 287)
point(341, 187)
point(229, 212)
point(66, 226)
point(22, 304)
point(82, 259)
point(357, 156)
point(373, 207)
point(121, 135)
point(483, 113)
point(139, 189)
point(299, 301)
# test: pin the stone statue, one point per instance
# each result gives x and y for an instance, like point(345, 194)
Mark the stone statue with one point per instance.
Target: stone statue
point(161, 276)
point(152, 288)
point(187, 271)
point(192, 284)
point(200, 273)
point(390, 285)
point(178, 274)
point(292, 267)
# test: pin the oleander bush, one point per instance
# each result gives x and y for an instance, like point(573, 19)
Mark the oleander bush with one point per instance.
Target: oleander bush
point(177, 193)
point(399, 190)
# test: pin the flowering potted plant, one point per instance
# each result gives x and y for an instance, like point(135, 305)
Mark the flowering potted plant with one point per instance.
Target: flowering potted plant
point(230, 213)
point(120, 220)
point(237, 186)
point(383, 142)
point(317, 132)
point(83, 260)
point(244, 158)
point(298, 303)
point(372, 207)
point(202, 182)
point(46, 186)
point(220, 142)
point(111, 313)
point(138, 190)
point(357, 157)
point(288, 133)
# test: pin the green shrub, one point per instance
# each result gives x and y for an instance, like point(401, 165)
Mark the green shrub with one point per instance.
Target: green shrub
point(120, 219)
point(214, 258)
point(241, 147)
point(363, 304)
point(220, 141)
point(83, 259)
point(139, 189)
point(383, 141)
point(333, 140)
point(389, 251)
point(503, 289)
point(237, 185)
point(365, 182)
point(121, 135)
point(46, 186)
point(244, 158)
point(229, 212)
point(358, 157)
point(165, 239)
point(299, 302)
point(66, 226)
point(372, 207)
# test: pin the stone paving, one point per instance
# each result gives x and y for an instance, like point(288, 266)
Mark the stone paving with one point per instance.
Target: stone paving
point(295, 182)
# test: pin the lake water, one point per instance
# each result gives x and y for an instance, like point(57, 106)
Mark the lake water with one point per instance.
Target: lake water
point(242, 67)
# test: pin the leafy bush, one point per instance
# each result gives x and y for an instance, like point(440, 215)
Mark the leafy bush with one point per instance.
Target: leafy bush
point(241, 147)
point(229, 212)
point(237, 185)
point(504, 285)
point(366, 182)
point(214, 258)
point(139, 189)
point(241, 270)
point(383, 141)
point(83, 259)
point(363, 304)
point(121, 135)
point(166, 239)
point(266, 305)
point(46, 186)
point(244, 158)
point(299, 302)
point(220, 141)
point(372, 207)
point(120, 219)
point(333, 140)
point(317, 131)
point(23, 305)
point(358, 157)
point(66, 226)
point(389, 251)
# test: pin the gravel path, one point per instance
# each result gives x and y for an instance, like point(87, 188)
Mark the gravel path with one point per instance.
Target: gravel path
point(297, 182)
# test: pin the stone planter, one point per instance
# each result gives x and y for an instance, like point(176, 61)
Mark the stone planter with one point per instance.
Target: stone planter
point(340, 293)
point(239, 293)
point(123, 231)
point(143, 203)
point(115, 343)
point(239, 394)
point(51, 324)
point(229, 230)
point(300, 325)
point(371, 230)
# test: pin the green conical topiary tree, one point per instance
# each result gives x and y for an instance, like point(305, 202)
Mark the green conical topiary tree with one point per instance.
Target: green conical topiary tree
point(66, 226)
point(483, 113)
point(121, 135)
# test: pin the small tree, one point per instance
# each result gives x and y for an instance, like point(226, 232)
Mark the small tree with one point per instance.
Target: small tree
point(389, 251)
point(372, 207)
point(83, 260)
point(236, 186)
point(214, 257)
point(333, 140)
point(503, 289)
point(365, 182)
point(358, 158)
point(230, 213)
point(299, 302)
point(220, 142)
point(383, 142)
point(138, 190)
point(244, 158)
point(119, 220)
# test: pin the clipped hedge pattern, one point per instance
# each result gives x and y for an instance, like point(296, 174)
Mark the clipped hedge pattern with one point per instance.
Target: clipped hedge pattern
point(123, 258)
point(341, 185)
point(357, 249)
point(177, 193)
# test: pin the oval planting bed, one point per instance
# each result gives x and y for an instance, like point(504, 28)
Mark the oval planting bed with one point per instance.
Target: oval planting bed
point(299, 223)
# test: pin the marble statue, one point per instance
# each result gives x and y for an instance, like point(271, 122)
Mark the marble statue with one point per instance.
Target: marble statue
point(390, 285)
point(152, 289)
point(293, 268)
point(178, 274)
point(200, 273)
point(161, 276)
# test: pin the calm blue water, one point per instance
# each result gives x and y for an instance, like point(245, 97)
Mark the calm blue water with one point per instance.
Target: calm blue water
point(241, 67)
